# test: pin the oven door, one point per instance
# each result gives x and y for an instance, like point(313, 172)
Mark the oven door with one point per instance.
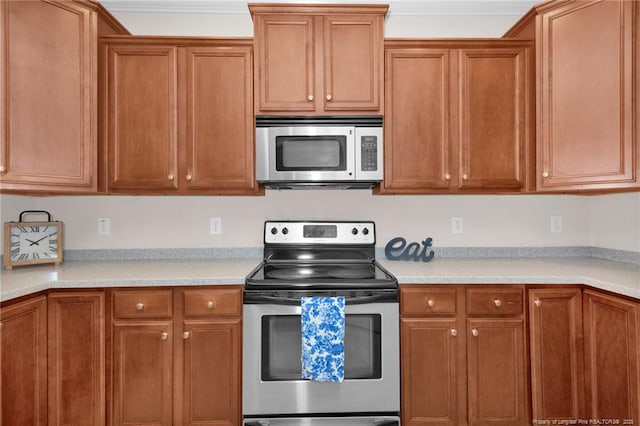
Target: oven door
point(272, 383)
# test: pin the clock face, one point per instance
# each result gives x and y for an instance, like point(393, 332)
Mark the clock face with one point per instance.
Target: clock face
point(34, 242)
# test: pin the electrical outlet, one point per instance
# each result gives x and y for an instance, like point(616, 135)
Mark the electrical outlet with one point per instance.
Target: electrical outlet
point(556, 223)
point(104, 226)
point(457, 225)
point(215, 225)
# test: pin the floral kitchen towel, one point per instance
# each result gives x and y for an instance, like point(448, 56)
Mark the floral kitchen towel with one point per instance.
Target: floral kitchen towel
point(323, 324)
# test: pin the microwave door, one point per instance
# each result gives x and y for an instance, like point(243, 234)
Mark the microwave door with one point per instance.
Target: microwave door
point(311, 154)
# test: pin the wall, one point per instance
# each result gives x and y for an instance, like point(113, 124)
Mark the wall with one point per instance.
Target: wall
point(610, 221)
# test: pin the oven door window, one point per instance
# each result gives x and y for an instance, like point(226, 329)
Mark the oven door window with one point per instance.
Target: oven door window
point(281, 347)
point(309, 153)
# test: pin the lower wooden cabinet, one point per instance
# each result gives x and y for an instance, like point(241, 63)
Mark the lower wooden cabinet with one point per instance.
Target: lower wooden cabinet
point(76, 362)
point(611, 357)
point(463, 356)
point(23, 344)
point(557, 372)
point(176, 356)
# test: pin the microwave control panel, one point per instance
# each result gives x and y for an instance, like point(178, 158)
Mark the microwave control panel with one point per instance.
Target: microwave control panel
point(369, 153)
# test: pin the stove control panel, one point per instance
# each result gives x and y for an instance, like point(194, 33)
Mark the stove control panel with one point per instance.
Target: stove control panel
point(316, 232)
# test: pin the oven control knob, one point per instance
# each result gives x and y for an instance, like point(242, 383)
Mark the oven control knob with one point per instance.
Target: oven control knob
point(365, 231)
point(274, 231)
point(354, 231)
point(285, 231)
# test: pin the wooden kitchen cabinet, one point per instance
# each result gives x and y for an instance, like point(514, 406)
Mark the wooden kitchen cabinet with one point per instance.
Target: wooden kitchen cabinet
point(211, 373)
point(463, 355)
point(557, 365)
point(76, 358)
point(142, 357)
point(586, 78)
point(459, 116)
point(180, 117)
point(318, 59)
point(611, 357)
point(48, 107)
point(176, 356)
point(432, 356)
point(23, 351)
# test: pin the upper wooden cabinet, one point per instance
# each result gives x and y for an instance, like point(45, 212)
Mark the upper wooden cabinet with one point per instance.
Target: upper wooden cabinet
point(48, 106)
point(587, 53)
point(459, 116)
point(179, 116)
point(316, 59)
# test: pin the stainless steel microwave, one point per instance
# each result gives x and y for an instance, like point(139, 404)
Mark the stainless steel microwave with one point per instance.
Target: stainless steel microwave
point(319, 151)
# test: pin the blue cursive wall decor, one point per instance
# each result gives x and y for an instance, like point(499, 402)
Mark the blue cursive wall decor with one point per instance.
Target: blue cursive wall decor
point(397, 249)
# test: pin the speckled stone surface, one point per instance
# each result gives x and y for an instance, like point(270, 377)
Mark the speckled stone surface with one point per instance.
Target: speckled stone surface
point(618, 277)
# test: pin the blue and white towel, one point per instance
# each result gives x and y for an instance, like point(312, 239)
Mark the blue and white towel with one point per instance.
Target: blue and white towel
point(323, 322)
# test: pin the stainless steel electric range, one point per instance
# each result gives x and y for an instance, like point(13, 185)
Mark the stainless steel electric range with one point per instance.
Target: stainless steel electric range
point(320, 259)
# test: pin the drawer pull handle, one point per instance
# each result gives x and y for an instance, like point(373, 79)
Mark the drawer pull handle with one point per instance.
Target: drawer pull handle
point(498, 302)
point(185, 335)
point(329, 97)
point(189, 178)
point(164, 335)
point(537, 302)
point(139, 306)
point(454, 332)
point(430, 303)
point(210, 304)
point(474, 332)
point(447, 177)
point(310, 97)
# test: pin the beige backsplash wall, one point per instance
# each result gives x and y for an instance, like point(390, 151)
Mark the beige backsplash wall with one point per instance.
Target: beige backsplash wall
point(610, 221)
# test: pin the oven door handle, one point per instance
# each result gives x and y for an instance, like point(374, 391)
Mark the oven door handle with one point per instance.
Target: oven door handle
point(262, 299)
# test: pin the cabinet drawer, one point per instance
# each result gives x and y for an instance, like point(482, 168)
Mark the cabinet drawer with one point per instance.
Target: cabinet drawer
point(142, 304)
point(207, 302)
point(428, 301)
point(495, 301)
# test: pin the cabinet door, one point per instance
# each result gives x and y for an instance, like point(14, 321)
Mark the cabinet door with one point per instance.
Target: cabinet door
point(219, 120)
point(212, 374)
point(611, 358)
point(48, 105)
point(76, 358)
point(429, 371)
point(496, 372)
point(493, 121)
point(142, 372)
point(23, 347)
point(585, 94)
point(555, 327)
point(352, 58)
point(142, 124)
point(285, 63)
point(417, 121)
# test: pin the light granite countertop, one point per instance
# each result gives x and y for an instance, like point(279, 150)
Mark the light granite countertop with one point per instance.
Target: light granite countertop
point(618, 277)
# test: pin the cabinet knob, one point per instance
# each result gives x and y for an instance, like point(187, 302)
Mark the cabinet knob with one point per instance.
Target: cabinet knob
point(170, 177)
point(329, 97)
point(545, 174)
point(185, 335)
point(139, 306)
point(465, 177)
point(310, 97)
point(447, 177)
point(430, 303)
point(210, 304)
point(537, 302)
point(497, 302)
point(454, 332)
point(2, 169)
point(474, 332)
point(188, 178)
point(164, 335)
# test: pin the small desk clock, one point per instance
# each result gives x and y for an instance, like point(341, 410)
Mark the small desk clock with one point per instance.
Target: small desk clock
point(30, 243)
